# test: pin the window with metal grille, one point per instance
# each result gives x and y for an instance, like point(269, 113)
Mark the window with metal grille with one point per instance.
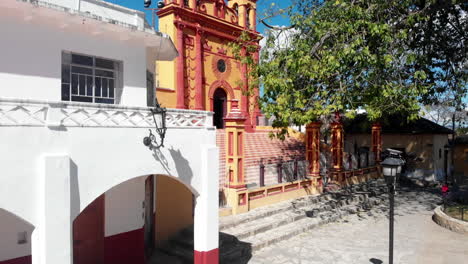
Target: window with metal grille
point(89, 79)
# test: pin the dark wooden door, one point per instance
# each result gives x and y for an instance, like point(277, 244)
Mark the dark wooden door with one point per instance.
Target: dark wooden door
point(88, 234)
point(149, 216)
point(219, 107)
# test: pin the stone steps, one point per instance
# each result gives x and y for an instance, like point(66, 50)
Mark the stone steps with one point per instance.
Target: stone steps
point(265, 226)
point(242, 234)
point(301, 209)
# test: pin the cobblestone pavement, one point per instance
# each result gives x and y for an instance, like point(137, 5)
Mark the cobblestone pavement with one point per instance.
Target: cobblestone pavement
point(363, 238)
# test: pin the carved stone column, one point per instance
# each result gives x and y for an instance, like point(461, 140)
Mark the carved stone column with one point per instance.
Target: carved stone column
point(199, 70)
point(245, 90)
point(242, 15)
point(180, 68)
point(337, 138)
point(253, 18)
point(235, 146)
point(236, 188)
point(313, 148)
point(377, 141)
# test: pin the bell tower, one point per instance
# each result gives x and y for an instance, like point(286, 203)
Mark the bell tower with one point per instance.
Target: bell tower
point(205, 75)
point(247, 12)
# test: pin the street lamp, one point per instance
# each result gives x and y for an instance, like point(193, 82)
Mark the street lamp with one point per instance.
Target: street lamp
point(159, 118)
point(391, 168)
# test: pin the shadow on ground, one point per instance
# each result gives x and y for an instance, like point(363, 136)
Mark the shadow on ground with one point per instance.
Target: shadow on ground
point(179, 250)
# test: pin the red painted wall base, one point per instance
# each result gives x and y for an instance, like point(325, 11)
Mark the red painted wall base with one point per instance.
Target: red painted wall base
point(206, 257)
point(124, 248)
point(22, 260)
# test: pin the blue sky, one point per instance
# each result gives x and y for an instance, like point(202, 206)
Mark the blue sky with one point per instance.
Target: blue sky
point(262, 6)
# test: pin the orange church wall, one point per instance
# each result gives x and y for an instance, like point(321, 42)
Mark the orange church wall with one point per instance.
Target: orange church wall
point(174, 208)
point(206, 34)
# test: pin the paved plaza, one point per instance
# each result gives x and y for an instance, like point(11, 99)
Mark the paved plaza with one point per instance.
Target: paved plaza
point(363, 238)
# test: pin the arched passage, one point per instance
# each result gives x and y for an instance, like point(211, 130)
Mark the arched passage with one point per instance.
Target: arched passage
point(129, 220)
point(15, 239)
point(219, 107)
point(174, 208)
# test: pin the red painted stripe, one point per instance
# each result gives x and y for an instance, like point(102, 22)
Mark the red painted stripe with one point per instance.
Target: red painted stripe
point(206, 257)
point(21, 260)
point(124, 248)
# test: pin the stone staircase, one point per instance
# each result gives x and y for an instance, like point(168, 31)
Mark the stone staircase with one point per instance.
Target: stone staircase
point(265, 226)
point(242, 234)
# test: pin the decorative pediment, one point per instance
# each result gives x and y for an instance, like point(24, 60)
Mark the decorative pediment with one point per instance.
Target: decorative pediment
point(206, 46)
point(222, 50)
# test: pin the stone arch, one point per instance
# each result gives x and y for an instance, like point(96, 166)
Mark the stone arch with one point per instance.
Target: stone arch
point(113, 185)
point(112, 225)
point(15, 238)
point(220, 84)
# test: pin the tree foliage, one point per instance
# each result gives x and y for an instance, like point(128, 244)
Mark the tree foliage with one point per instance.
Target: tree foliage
point(381, 56)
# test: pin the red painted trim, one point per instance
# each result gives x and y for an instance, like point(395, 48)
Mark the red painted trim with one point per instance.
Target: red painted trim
point(220, 84)
point(291, 187)
point(165, 90)
point(20, 260)
point(180, 68)
point(206, 257)
point(240, 187)
point(240, 142)
point(275, 193)
point(124, 248)
point(230, 143)
point(199, 70)
point(242, 199)
point(256, 197)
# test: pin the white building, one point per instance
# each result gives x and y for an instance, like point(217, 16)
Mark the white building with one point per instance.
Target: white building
point(77, 185)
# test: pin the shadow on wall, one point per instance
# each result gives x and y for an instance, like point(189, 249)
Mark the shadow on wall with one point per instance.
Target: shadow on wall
point(15, 238)
point(182, 165)
point(75, 200)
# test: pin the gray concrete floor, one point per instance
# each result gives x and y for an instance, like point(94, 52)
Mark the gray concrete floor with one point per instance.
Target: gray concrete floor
point(363, 238)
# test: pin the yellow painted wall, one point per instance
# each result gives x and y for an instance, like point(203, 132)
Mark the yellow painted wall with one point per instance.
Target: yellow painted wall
point(174, 205)
point(166, 71)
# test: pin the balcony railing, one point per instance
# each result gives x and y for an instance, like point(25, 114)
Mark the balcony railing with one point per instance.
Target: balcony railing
point(19, 112)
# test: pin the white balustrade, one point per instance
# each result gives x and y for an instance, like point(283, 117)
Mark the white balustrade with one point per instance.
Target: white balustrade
point(17, 112)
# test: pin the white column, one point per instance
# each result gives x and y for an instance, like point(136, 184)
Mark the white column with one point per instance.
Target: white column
point(52, 239)
point(206, 209)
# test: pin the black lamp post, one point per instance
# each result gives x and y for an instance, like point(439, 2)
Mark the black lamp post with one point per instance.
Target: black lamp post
point(159, 118)
point(391, 167)
point(446, 151)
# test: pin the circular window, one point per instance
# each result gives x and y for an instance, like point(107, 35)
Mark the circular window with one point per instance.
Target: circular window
point(221, 65)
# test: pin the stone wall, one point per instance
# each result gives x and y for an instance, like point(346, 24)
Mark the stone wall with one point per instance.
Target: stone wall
point(449, 222)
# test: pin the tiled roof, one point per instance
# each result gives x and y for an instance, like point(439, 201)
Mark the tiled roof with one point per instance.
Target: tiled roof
point(259, 145)
point(395, 124)
point(461, 140)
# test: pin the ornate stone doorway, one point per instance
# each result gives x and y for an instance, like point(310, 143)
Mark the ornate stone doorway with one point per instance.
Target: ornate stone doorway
point(219, 107)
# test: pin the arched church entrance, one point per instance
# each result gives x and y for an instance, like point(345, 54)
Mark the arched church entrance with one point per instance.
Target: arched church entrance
point(130, 221)
point(15, 239)
point(219, 107)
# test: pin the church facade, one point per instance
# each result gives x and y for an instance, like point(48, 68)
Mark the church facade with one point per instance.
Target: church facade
point(206, 76)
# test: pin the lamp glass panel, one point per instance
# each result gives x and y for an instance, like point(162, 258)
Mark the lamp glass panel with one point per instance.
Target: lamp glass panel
point(387, 171)
point(159, 120)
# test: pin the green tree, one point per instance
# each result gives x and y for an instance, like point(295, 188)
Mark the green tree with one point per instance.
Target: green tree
point(382, 56)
